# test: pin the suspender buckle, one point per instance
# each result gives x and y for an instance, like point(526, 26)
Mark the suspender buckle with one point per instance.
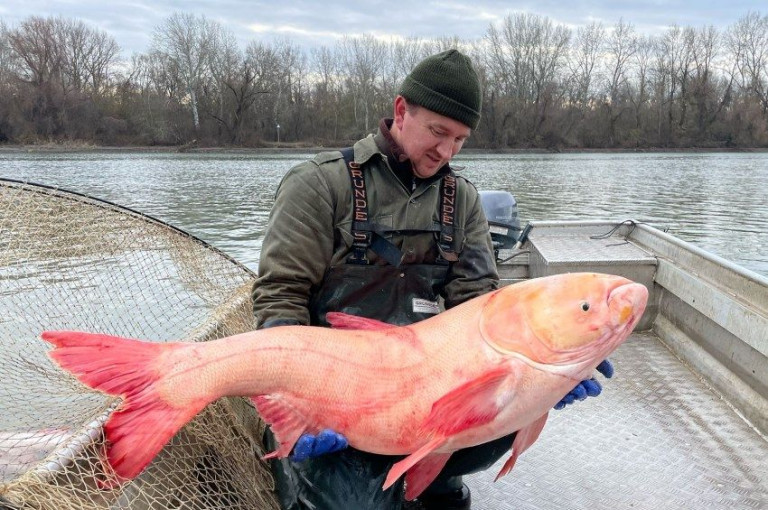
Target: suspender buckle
point(360, 246)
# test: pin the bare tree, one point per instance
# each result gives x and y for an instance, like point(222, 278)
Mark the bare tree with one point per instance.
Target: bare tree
point(582, 64)
point(37, 43)
point(402, 58)
point(406, 54)
point(102, 57)
point(639, 87)
point(363, 58)
point(225, 64)
point(528, 55)
point(76, 38)
point(621, 46)
point(292, 89)
point(436, 45)
point(6, 87)
point(748, 42)
point(583, 72)
point(328, 89)
point(610, 87)
point(160, 112)
point(188, 42)
point(6, 55)
point(265, 63)
point(705, 97)
point(669, 57)
point(88, 56)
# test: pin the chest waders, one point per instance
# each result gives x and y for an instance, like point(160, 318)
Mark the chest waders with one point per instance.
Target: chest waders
point(397, 294)
point(392, 292)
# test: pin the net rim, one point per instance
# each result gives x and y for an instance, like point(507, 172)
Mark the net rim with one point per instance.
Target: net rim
point(99, 202)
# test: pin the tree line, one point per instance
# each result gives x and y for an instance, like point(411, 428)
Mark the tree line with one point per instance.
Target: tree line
point(545, 85)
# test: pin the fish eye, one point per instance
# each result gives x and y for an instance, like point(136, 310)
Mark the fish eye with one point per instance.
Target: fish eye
point(585, 306)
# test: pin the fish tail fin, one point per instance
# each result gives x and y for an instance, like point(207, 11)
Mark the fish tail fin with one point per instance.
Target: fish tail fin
point(145, 421)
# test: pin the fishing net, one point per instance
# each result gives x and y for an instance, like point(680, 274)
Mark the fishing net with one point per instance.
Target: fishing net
point(68, 261)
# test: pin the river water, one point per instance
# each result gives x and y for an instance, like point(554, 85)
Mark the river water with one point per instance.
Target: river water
point(717, 201)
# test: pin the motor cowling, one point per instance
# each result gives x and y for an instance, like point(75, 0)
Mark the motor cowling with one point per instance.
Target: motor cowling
point(500, 209)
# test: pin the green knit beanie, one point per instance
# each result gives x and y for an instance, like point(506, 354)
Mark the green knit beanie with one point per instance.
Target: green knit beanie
point(447, 84)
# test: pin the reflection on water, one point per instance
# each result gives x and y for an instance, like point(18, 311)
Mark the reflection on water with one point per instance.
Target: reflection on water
point(714, 200)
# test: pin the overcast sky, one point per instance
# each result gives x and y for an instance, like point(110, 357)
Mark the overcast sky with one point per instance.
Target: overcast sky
point(310, 23)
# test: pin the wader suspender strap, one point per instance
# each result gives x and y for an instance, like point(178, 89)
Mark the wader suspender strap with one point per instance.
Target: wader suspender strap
point(447, 218)
point(361, 238)
point(364, 233)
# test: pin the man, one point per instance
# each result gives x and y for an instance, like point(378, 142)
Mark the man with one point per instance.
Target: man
point(382, 231)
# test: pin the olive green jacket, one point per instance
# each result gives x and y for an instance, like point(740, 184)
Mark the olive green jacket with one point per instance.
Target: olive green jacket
point(309, 230)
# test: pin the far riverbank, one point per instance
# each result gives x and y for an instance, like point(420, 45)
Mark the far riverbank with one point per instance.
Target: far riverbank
point(304, 149)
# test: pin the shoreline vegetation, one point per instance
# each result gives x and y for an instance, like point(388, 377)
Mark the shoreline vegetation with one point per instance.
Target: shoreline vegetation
point(311, 149)
point(546, 87)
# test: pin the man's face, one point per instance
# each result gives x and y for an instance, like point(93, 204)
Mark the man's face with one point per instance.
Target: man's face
point(429, 139)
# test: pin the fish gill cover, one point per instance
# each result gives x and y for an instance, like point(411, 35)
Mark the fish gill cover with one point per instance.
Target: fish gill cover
point(68, 261)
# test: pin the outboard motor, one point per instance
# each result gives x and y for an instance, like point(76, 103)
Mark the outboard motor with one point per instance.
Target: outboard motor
point(500, 209)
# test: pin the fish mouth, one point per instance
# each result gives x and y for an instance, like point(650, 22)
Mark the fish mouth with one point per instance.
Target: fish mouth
point(626, 302)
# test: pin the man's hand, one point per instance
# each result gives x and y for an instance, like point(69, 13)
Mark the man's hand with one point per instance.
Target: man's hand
point(308, 445)
point(588, 387)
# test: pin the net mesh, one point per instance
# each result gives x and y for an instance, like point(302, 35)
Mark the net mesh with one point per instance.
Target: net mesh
point(68, 261)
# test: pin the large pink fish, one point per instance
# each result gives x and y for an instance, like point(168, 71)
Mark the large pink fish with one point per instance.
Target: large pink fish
point(491, 366)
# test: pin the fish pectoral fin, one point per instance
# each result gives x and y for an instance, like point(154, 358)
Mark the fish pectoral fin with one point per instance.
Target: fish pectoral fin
point(340, 320)
point(472, 404)
point(524, 438)
point(410, 461)
point(286, 422)
point(423, 473)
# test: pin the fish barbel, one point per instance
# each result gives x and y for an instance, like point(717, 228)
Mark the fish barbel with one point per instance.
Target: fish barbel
point(491, 366)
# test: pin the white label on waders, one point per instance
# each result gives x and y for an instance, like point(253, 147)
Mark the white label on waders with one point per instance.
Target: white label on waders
point(425, 306)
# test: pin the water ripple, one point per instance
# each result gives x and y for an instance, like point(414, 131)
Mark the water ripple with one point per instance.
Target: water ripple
point(714, 200)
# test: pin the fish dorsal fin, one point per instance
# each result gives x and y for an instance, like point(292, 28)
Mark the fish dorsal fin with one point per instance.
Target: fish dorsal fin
point(339, 320)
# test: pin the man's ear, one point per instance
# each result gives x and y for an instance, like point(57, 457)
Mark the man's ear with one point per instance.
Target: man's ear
point(400, 108)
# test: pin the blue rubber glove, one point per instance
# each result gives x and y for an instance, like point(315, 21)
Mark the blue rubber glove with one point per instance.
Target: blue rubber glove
point(309, 446)
point(588, 387)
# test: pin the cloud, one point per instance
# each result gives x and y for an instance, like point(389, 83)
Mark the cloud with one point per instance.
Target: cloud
point(261, 29)
point(132, 22)
point(466, 12)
